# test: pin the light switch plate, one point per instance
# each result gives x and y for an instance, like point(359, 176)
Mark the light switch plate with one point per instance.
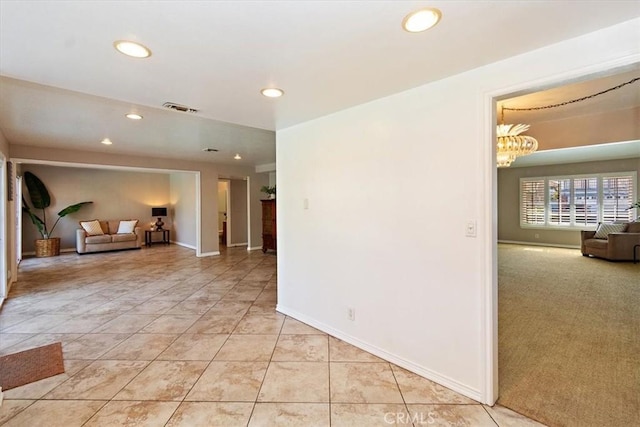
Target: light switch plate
point(471, 230)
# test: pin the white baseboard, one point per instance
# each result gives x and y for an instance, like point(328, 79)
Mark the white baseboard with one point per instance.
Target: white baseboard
point(233, 245)
point(205, 254)
point(549, 245)
point(383, 354)
point(254, 248)
point(184, 245)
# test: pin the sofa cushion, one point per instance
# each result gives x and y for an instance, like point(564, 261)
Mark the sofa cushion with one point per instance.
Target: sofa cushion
point(603, 230)
point(92, 227)
point(596, 243)
point(127, 226)
point(633, 227)
point(113, 226)
point(103, 238)
point(123, 237)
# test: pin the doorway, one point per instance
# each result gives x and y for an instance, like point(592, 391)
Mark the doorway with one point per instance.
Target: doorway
point(233, 212)
point(552, 336)
point(223, 212)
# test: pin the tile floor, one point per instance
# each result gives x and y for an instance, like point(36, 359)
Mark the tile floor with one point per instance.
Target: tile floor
point(158, 337)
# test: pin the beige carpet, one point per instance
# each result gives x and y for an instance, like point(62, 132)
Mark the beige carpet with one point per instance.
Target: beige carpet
point(569, 337)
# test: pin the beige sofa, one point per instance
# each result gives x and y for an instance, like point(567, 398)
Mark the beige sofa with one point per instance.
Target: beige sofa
point(617, 246)
point(109, 240)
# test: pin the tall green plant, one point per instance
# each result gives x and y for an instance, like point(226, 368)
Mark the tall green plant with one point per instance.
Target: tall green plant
point(635, 205)
point(40, 199)
point(268, 190)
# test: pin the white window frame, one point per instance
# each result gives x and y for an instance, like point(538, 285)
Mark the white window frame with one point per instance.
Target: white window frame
point(572, 226)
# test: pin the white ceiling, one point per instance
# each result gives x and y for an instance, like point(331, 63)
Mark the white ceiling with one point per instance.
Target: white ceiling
point(216, 56)
point(626, 97)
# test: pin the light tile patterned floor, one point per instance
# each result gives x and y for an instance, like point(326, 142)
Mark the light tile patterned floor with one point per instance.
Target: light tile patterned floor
point(158, 337)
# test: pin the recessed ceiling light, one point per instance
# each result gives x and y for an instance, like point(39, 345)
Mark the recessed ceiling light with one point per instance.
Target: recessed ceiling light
point(106, 141)
point(421, 20)
point(272, 92)
point(237, 157)
point(133, 49)
point(133, 116)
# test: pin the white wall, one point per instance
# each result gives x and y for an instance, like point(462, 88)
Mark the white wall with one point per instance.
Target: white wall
point(183, 209)
point(209, 174)
point(115, 195)
point(391, 185)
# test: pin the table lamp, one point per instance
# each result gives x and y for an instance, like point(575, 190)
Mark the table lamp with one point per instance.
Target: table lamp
point(159, 212)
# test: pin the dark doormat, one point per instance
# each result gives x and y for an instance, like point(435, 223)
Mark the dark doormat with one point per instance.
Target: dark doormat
point(30, 365)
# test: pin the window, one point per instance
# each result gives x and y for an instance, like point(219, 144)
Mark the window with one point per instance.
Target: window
point(532, 205)
point(560, 201)
point(577, 201)
point(616, 198)
point(585, 200)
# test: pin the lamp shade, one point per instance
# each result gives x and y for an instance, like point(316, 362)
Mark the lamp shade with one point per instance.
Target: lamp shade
point(158, 211)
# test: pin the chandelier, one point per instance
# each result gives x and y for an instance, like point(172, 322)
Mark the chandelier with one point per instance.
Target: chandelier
point(510, 144)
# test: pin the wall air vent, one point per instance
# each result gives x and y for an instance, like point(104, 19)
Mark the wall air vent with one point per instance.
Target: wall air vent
point(179, 107)
point(210, 150)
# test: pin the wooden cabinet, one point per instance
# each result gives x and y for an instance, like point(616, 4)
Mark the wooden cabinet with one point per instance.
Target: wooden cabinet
point(269, 240)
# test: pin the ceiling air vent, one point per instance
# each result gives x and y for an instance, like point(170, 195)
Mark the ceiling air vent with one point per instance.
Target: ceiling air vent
point(210, 150)
point(179, 107)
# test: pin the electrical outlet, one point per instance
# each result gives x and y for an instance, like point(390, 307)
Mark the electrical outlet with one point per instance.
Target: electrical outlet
point(351, 313)
point(305, 204)
point(537, 236)
point(471, 229)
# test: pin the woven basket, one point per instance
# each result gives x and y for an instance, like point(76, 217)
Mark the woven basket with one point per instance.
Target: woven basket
point(47, 247)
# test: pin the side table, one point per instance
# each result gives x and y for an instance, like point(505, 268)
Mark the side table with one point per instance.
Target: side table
point(148, 234)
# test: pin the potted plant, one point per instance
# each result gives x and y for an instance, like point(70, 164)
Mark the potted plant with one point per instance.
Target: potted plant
point(270, 191)
point(40, 199)
point(635, 205)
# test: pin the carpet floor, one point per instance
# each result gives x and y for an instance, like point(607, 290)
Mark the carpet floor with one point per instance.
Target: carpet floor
point(569, 337)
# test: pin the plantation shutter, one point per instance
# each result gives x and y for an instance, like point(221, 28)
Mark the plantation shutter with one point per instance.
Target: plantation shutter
point(577, 201)
point(532, 206)
point(585, 196)
point(617, 195)
point(560, 201)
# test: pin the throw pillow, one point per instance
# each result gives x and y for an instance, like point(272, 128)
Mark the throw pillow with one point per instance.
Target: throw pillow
point(633, 227)
point(92, 227)
point(603, 230)
point(127, 227)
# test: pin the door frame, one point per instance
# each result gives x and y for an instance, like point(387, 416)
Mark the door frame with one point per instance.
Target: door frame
point(4, 285)
point(489, 306)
